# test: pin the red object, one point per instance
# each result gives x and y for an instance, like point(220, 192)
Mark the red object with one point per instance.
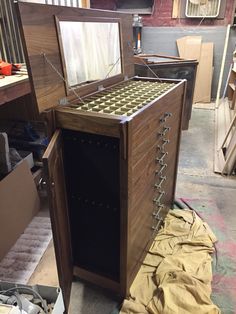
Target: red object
point(5, 68)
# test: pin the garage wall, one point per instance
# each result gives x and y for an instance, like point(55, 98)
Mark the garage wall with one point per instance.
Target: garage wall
point(162, 13)
point(162, 40)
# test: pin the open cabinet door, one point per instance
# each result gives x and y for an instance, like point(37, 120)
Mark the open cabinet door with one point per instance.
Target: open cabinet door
point(53, 163)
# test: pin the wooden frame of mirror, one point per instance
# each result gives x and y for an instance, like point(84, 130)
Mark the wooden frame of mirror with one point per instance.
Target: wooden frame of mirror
point(65, 63)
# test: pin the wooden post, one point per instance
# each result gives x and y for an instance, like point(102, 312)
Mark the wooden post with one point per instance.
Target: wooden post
point(85, 4)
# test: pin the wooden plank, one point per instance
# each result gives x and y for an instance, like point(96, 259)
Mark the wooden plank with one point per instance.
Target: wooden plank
point(219, 160)
point(181, 42)
point(13, 87)
point(202, 92)
point(53, 163)
point(223, 137)
point(222, 65)
point(88, 122)
point(85, 4)
point(229, 130)
point(230, 156)
point(12, 80)
point(189, 47)
point(175, 9)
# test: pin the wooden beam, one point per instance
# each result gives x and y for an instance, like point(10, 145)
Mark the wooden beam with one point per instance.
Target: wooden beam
point(228, 131)
point(175, 9)
point(85, 4)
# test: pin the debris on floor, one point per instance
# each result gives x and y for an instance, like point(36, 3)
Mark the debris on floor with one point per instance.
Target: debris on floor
point(177, 270)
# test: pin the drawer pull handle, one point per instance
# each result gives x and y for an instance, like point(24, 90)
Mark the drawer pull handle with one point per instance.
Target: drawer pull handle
point(163, 119)
point(166, 115)
point(156, 228)
point(165, 130)
point(158, 200)
point(156, 214)
point(162, 147)
point(160, 160)
point(159, 172)
point(165, 141)
point(158, 186)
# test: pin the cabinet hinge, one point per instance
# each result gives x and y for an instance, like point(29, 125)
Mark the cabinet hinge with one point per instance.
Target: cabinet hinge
point(100, 88)
point(63, 101)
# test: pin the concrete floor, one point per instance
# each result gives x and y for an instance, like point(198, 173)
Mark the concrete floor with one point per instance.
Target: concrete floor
point(196, 179)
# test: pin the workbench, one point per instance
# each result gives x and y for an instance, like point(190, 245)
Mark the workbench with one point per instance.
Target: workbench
point(12, 87)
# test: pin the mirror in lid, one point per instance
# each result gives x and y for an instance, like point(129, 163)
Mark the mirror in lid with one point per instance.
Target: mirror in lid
point(90, 50)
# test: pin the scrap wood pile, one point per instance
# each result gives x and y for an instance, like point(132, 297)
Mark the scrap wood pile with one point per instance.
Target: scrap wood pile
point(176, 274)
point(192, 47)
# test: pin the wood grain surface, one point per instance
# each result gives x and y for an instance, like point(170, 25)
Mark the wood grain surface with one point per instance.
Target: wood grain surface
point(143, 139)
point(138, 135)
point(37, 24)
point(53, 164)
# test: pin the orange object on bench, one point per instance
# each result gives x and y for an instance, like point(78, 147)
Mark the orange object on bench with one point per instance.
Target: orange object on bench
point(5, 68)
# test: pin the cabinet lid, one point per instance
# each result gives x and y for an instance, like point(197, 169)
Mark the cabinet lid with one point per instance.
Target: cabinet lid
point(41, 36)
point(153, 59)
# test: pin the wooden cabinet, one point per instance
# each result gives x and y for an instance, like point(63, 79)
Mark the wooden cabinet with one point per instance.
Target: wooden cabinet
point(172, 68)
point(112, 161)
point(120, 180)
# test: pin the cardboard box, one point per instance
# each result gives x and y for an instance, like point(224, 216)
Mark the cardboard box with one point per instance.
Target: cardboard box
point(28, 156)
point(50, 294)
point(19, 202)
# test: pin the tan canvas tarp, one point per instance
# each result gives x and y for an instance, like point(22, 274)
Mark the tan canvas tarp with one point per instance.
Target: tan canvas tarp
point(176, 274)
